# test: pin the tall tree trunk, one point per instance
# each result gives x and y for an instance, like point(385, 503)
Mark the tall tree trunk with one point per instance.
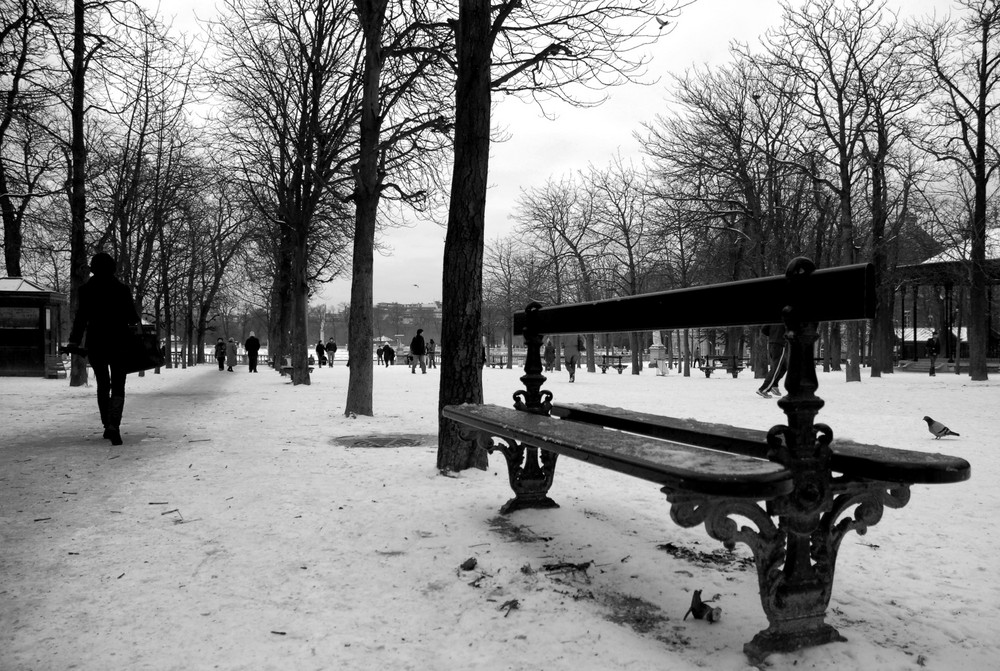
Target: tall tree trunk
point(462, 291)
point(367, 188)
point(299, 294)
point(79, 268)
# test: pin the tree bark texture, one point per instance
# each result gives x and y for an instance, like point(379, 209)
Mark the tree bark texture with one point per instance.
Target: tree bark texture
point(462, 288)
point(79, 266)
point(367, 190)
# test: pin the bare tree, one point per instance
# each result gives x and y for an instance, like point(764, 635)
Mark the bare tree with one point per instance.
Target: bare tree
point(964, 57)
point(405, 116)
point(289, 75)
point(535, 48)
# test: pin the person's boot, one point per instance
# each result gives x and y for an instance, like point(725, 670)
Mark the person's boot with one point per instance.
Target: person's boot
point(103, 404)
point(115, 408)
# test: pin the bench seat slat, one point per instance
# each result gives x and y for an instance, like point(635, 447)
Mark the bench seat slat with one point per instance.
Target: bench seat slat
point(665, 462)
point(872, 462)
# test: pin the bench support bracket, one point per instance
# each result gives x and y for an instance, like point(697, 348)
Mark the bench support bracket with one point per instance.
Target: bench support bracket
point(795, 567)
point(529, 470)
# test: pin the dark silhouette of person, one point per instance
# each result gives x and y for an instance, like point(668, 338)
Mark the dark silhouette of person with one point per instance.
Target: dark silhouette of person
point(231, 355)
point(431, 352)
point(418, 350)
point(388, 355)
point(220, 353)
point(550, 354)
point(107, 315)
point(933, 346)
point(320, 353)
point(331, 350)
point(777, 357)
point(252, 346)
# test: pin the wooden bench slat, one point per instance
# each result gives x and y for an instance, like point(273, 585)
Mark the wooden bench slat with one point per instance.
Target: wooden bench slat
point(665, 462)
point(842, 293)
point(872, 462)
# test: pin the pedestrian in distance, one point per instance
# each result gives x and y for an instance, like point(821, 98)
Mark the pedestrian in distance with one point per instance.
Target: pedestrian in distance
point(431, 353)
point(220, 353)
point(389, 355)
point(320, 353)
point(549, 354)
point(932, 347)
point(107, 316)
point(777, 358)
point(418, 350)
point(252, 346)
point(574, 349)
point(331, 350)
point(231, 355)
point(380, 353)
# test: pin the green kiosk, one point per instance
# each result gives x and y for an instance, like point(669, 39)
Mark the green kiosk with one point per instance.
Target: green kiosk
point(30, 329)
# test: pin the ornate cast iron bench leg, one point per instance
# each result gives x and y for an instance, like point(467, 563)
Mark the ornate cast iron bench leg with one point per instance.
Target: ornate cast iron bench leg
point(529, 470)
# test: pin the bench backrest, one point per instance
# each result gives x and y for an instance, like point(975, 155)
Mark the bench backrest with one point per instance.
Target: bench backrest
point(833, 294)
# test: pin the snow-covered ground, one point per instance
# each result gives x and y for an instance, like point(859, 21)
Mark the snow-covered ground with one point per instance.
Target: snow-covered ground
point(233, 530)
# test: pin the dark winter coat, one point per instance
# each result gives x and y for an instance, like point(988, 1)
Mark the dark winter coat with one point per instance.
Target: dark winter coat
point(417, 346)
point(231, 354)
point(106, 314)
point(220, 351)
point(252, 345)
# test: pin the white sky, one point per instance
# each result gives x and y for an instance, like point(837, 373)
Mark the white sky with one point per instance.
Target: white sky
point(539, 148)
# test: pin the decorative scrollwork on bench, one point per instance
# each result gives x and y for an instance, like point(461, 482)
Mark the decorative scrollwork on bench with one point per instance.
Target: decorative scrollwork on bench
point(530, 471)
point(871, 499)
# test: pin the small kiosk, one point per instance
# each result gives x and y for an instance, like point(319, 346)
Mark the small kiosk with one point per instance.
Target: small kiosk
point(30, 329)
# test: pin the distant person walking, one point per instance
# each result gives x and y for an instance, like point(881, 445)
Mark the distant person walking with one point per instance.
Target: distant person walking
point(388, 354)
point(220, 353)
point(320, 354)
point(418, 352)
point(107, 314)
point(231, 355)
point(777, 358)
point(431, 353)
point(252, 346)
point(932, 347)
point(380, 353)
point(331, 350)
point(549, 354)
point(572, 353)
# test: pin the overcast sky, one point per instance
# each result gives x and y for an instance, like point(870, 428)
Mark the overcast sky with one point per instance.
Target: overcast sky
point(539, 148)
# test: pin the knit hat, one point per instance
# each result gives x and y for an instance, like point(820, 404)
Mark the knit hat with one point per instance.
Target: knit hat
point(419, 331)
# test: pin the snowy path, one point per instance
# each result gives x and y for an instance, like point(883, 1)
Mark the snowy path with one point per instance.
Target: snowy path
point(232, 531)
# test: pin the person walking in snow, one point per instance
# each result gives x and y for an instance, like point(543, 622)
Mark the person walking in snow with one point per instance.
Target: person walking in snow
point(932, 348)
point(106, 314)
point(231, 355)
point(572, 353)
point(331, 350)
point(418, 351)
point(220, 353)
point(550, 354)
point(431, 353)
point(320, 354)
point(252, 346)
point(777, 360)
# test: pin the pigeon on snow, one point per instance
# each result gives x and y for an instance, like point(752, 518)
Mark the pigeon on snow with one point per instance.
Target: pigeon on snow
point(938, 429)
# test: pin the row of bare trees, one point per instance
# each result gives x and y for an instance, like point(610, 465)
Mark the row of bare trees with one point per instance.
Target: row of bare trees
point(845, 136)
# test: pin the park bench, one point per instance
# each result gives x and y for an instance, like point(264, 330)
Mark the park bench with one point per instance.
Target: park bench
point(286, 368)
point(612, 361)
point(730, 364)
point(800, 488)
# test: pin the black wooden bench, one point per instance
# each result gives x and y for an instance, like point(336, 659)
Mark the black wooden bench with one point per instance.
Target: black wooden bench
point(803, 490)
point(612, 361)
point(287, 367)
point(730, 364)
